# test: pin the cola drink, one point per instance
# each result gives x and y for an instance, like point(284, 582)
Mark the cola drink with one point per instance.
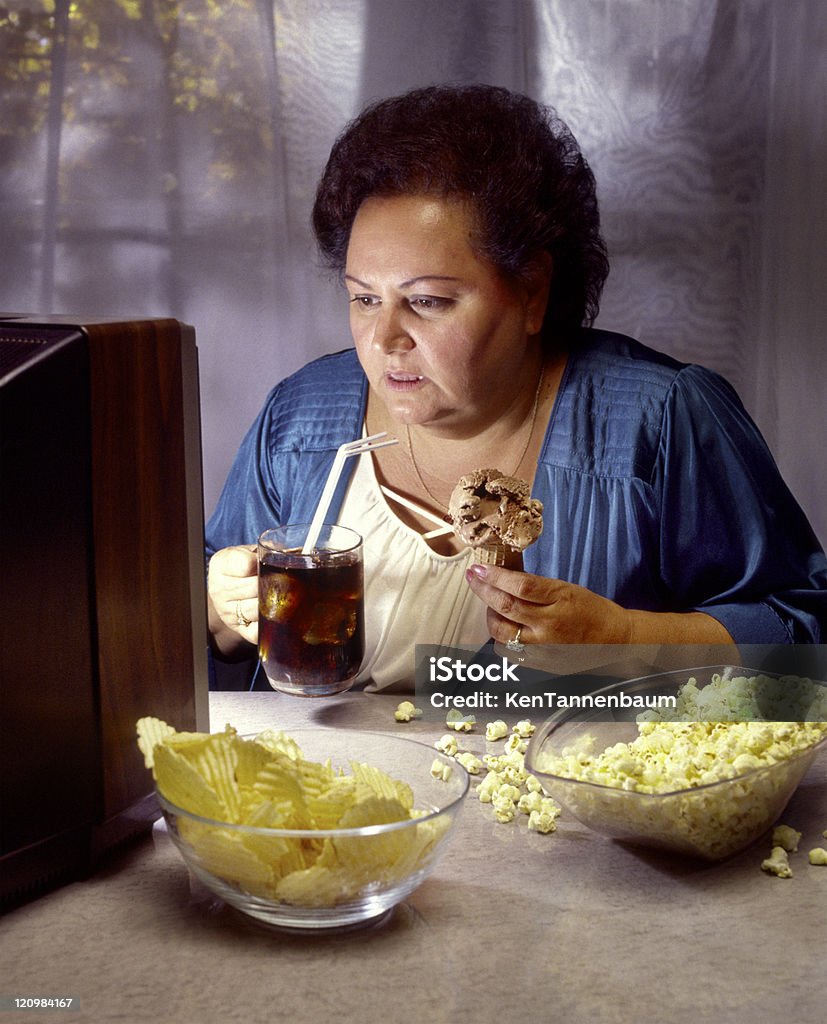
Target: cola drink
point(311, 610)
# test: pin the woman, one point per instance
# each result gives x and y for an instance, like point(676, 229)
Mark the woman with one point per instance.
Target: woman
point(464, 223)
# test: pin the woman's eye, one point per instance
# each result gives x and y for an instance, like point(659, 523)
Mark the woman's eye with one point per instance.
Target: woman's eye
point(429, 303)
point(364, 301)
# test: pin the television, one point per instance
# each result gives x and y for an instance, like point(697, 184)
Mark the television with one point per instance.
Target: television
point(102, 603)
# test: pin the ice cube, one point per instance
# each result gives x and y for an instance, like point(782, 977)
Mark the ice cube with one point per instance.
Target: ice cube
point(331, 623)
point(281, 598)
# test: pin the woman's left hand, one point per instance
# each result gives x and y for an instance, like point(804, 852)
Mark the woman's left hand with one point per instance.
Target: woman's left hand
point(546, 611)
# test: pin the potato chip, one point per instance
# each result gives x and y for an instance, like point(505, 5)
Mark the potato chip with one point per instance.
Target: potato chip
point(372, 853)
point(182, 784)
point(216, 761)
point(224, 853)
point(250, 757)
point(314, 778)
point(191, 744)
point(381, 784)
point(277, 782)
point(268, 813)
point(374, 810)
point(279, 742)
point(303, 853)
point(268, 848)
point(326, 857)
point(316, 886)
point(422, 840)
point(326, 808)
point(151, 732)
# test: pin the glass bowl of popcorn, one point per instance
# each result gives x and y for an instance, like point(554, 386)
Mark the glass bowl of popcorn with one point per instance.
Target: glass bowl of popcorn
point(692, 761)
point(316, 830)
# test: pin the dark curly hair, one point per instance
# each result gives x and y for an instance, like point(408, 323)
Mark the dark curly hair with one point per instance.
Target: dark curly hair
point(515, 160)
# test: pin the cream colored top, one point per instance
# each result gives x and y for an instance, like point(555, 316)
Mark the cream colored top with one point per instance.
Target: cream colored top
point(413, 595)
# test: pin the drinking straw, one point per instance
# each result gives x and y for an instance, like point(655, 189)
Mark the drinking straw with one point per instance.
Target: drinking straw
point(400, 500)
point(364, 444)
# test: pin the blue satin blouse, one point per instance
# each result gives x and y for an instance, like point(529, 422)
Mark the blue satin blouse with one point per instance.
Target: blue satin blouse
point(658, 490)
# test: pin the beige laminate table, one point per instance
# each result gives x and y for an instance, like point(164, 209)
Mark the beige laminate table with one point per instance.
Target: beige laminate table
point(512, 926)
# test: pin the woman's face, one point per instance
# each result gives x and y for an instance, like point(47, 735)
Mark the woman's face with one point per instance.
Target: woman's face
point(440, 333)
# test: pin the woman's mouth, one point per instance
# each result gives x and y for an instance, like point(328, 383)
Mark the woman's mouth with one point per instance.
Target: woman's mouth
point(397, 380)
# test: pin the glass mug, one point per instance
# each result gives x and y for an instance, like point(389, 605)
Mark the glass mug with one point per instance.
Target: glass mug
point(311, 610)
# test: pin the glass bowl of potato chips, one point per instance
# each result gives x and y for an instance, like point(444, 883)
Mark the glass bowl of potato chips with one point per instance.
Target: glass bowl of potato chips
point(704, 773)
point(318, 829)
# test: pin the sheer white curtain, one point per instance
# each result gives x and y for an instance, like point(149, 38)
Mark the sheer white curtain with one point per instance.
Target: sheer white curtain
point(159, 157)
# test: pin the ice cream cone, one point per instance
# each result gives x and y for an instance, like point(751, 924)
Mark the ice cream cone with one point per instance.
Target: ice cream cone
point(499, 554)
point(496, 516)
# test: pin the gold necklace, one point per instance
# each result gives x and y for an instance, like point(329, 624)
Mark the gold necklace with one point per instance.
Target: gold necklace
point(534, 410)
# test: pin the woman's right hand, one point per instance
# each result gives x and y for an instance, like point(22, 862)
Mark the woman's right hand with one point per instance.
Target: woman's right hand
point(232, 595)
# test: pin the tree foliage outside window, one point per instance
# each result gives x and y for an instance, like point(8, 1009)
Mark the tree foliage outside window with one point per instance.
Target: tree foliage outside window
point(110, 104)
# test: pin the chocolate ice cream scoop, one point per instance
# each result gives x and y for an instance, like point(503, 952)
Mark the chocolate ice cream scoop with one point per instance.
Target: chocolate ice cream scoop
point(496, 515)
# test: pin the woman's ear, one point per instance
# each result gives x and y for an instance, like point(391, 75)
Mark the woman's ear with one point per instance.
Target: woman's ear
point(537, 282)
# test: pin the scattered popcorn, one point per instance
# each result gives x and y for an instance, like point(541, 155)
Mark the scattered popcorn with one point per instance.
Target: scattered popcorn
point(510, 788)
point(496, 730)
point(488, 788)
point(470, 762)
point(496, 762)
point(510, 766)
point(786, 837)
point(504, 809)
point(515, 744)
point(458, 722)
point(515, 774)
point(406, 711)
point(440, 770)
point(542, 821)
point(509, 792)
point(818, 855)
point(524, 729)
point(778, 863)
point(529, 802)
point(447, 745)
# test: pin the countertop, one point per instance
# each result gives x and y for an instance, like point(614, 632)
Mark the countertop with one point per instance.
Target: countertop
point(512, 925)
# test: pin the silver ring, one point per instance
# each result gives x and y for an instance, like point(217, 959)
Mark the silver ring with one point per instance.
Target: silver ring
point(516, 644)
point(240, 618)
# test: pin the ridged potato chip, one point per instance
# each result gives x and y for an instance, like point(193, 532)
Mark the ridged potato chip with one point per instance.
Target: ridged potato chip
point(326, 808)
point(151, 732)
point(216, 761)
point(183, 785)
point(316, 886)
point(225, 853)
point(277, 782)
point(251, 758)
point(382, 784)
point(373, 855)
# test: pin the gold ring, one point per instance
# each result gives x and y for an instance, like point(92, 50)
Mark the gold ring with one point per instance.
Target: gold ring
point(240, 618)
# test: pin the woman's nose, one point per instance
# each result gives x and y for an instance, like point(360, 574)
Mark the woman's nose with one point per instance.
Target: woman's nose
point(389, 333)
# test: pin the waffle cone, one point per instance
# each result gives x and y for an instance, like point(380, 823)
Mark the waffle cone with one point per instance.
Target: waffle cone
point(499, 554)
